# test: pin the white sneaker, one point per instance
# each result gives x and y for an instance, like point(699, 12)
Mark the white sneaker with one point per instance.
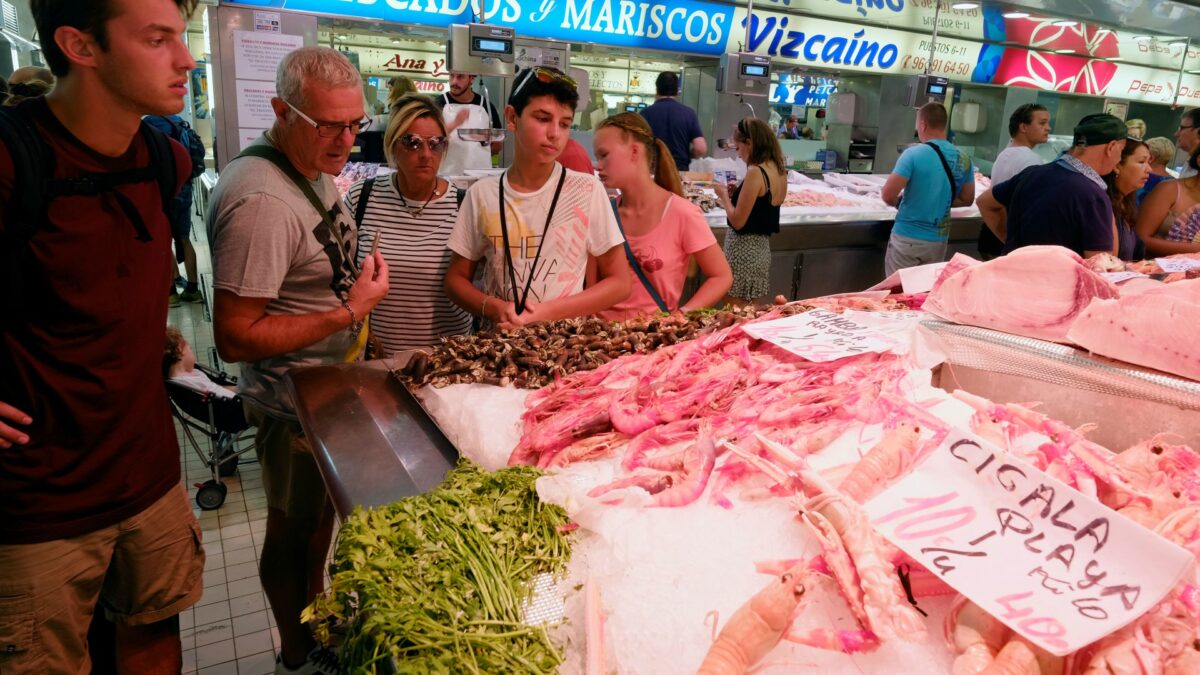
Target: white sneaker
point(320, 661)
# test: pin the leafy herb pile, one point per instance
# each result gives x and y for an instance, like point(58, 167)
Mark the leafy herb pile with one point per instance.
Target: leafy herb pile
point(436, 583)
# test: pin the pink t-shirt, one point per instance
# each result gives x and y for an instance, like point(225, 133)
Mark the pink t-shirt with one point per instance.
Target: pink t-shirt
point(663, 255)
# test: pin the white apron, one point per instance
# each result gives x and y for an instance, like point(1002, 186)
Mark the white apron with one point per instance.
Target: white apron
point(465, 154)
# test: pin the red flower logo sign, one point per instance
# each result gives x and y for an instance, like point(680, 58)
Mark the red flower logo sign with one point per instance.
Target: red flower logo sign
point(1054, 72)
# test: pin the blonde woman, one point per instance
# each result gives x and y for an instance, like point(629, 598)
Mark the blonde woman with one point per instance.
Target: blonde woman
point(753, 210)
point(664, 231)
point(412, 213)
point(1162, 152)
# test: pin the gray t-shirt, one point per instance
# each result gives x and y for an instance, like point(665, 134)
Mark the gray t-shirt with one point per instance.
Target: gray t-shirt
point(269, 242)
point(1013, 160)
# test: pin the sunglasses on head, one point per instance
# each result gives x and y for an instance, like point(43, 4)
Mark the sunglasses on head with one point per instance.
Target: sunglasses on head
point(413, 142)
point(545, 76)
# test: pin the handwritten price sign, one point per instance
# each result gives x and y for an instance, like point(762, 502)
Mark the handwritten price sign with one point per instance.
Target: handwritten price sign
point(1053, 564)
point(1172, 265)
point(819, 335)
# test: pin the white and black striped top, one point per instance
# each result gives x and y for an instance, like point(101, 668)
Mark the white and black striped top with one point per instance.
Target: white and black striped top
point(416, 311)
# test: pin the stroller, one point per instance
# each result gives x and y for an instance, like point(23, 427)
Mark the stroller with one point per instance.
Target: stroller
point(219, 419)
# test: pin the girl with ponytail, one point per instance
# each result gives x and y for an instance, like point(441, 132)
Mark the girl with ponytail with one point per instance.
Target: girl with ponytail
point(663, 229)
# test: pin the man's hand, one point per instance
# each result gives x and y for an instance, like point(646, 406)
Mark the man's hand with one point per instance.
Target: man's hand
point(371, 286)
point(9, 435)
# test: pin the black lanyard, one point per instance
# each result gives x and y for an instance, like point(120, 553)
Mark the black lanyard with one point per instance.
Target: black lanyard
point(519, 301)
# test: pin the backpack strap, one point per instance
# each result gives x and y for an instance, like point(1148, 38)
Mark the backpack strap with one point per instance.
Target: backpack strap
point(162, 162)
point(637, 267)
point(459, 195)
point(364, 194)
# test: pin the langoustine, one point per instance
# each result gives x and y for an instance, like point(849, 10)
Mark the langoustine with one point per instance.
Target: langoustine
point(757, 626)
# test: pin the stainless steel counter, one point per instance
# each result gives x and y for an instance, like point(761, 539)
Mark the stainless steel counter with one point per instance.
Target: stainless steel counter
point(373, 442)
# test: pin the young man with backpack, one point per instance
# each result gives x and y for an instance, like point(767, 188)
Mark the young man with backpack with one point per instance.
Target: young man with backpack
point(181, 217)
point(92, 510)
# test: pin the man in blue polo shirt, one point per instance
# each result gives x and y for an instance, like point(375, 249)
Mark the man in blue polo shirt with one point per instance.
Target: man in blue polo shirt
point(1065, 202)
point(933, 177)
point(674, 123)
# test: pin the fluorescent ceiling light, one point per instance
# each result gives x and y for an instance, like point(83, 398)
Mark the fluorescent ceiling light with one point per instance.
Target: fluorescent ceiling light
point(1064, 51)
point(1177, 44)
point(965, 5)
point(1142, 38)
point(1066, 24)
point(1015, 15)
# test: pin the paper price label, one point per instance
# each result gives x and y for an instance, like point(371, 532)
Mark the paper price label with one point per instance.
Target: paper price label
point(820, 335)
point(1118, 277)
point(1056, 566)
point(1171, 265)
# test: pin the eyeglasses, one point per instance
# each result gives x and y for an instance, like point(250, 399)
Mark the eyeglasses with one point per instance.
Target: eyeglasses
point(413, 143)
point(1184, 127)
point(545, 76)
point(331, 130)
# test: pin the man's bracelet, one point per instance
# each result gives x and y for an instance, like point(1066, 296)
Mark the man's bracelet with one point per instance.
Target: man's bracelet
point(355, 324)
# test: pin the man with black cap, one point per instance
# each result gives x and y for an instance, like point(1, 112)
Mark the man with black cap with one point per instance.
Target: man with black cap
point(674, 123)
point(1065, 202)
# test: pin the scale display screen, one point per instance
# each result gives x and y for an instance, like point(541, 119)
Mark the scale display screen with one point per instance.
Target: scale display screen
point(494, 46)
point(937, 89)
point(754, 70)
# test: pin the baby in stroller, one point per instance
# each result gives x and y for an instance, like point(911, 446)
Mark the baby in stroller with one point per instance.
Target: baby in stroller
point(205, 401)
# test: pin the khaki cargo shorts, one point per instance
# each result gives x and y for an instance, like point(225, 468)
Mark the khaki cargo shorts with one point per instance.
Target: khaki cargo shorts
point(290, 475)
point(144, 569)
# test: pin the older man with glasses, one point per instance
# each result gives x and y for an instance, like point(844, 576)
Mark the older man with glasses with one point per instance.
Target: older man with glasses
point(1187, 137)
point(289, 293)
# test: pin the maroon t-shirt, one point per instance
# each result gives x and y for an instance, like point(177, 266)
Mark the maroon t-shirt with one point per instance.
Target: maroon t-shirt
point(86, 360)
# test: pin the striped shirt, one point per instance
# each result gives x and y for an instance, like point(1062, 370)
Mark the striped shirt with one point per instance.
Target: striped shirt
point(416, 312)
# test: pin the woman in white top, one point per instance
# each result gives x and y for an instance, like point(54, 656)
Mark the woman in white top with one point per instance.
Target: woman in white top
point(412, 212)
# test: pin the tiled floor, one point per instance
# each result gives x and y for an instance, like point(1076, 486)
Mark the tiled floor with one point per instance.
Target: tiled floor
point(230, 631)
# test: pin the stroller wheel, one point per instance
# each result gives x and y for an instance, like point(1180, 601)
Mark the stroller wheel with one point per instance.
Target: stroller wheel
point(211, 495)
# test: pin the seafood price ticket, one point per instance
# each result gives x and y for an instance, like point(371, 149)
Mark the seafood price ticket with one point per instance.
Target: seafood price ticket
point(1053, 564)
point(819, 335)
point(1172, 265)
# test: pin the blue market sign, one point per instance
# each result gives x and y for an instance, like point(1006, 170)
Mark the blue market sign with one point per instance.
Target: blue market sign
point(682, 25)
point(805, 91)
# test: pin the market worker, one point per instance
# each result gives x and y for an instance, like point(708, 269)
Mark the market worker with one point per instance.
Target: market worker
point(934, 177)
point(534, 227)
point(663, 229)
point(791, 129)
point(1065, 202)
point(92, 511)
point(1136, 129)
point(412, 212)
point(1177, 202)
point(288, 294)
point(1028, 126)
point(752, 210)
point(675, 123)
point(1122, 183)
point(1187, 137)
point(463, 108)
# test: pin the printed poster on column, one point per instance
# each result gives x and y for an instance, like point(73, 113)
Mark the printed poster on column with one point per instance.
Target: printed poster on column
point(256, 55)
point(1055, 565)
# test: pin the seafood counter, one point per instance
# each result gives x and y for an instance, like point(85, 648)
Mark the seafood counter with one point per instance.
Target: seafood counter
point(709, 479)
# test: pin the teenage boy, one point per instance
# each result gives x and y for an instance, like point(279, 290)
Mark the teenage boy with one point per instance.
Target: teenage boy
point(1028, 127)
point(92, 510)
point(535, 226)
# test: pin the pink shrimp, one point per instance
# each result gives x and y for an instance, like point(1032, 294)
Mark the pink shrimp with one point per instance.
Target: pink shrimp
point(835, 640)
point(756, 627)
point(892, 457)
point(584, 449)
point(697, 465)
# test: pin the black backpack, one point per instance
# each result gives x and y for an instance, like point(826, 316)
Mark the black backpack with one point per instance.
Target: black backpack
point(188, 138)
point(34, 187)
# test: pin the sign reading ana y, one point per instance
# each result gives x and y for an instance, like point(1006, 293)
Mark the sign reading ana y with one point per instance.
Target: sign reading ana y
point(1056, 566)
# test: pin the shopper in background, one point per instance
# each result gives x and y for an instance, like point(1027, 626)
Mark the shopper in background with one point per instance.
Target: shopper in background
point(753, 210)
point(1028, 126)
point(288, 293)
point(663, 230)
point(181, 220)
point(1136, 129)
point(1187, 137)
point(933, 177)
point(674, 123)
point(575, 157)
point(31, 73)
point(1174, 206)
point(1162, 151)
point(463, 108)
point(534, 227)
point(1065, 202)
point(791, 129)
point(93, 517)
point(397, 86)
point(23, 91)
point(409, 215)
point(1123, 183)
